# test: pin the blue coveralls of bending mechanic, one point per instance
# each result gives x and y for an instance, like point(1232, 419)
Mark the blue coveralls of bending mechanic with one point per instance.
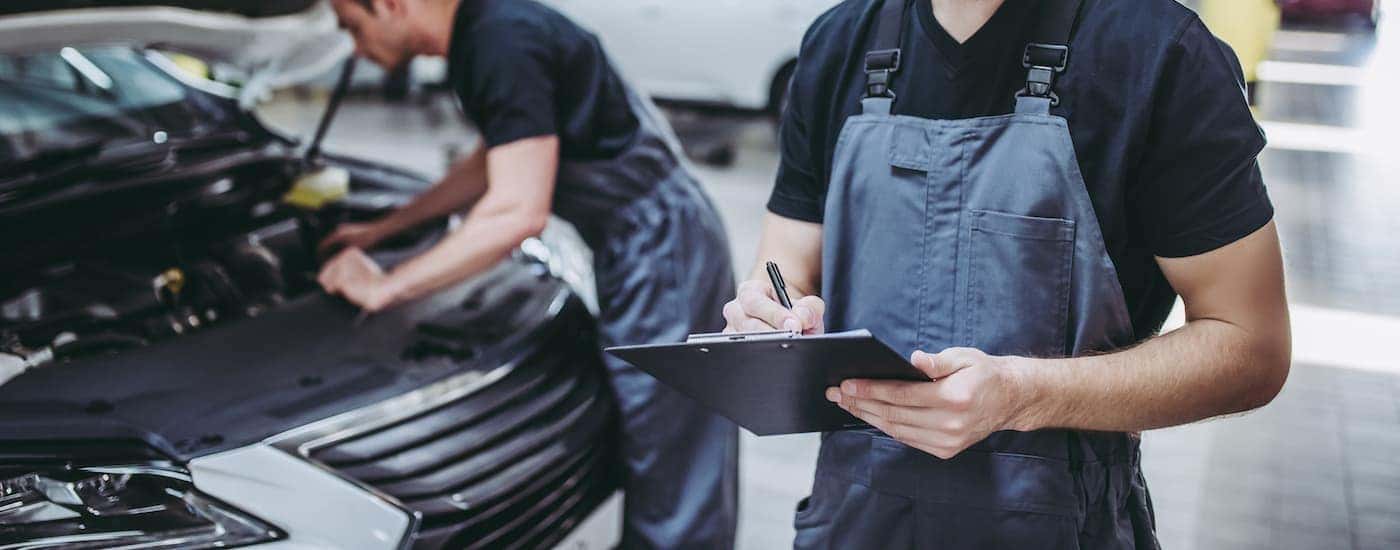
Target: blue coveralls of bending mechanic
point(661, 257)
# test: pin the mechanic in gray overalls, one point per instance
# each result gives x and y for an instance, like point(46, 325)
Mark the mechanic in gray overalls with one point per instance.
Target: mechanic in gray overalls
point(563, 132)
point(1024, 248)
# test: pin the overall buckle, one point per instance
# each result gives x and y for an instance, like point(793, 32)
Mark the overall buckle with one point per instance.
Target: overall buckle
point(880, 66)
point(1043, 62)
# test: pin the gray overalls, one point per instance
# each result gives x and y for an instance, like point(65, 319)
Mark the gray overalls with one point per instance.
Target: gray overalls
point(664, 271)
point(985, 237)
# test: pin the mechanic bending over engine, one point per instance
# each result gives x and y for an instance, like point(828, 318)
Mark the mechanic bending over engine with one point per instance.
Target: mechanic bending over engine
point(1014, 192)
point(563, 132)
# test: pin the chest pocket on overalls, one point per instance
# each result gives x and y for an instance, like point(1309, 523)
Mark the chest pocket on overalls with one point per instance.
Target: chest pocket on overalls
point(1016, 294)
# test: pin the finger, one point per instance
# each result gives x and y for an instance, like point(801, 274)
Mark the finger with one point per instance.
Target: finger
point(945, 363)
point(931, 431)
point(760, 286)
point(809, 310)
point(353, 253)
point(331, 285)
point(327, 277)
point(874, 420)
point(759, 306)
point(910, 394)
point(371, 266)
point(754, 325)
point(887, 413)
point(733, 315)
point(914, 427)
point(357, 263)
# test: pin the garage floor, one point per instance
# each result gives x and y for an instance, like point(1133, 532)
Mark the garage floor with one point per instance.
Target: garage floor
point(1319, 468)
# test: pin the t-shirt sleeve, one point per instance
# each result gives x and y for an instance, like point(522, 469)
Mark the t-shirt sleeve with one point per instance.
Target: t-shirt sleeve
point(800, 190)
point(508, 89)
point(1199, 187)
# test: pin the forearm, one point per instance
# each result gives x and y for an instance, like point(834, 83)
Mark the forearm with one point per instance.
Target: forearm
point(463, 186)
point(796, 247)
point(487, 236)
point(515, 206)
point(1206, 369)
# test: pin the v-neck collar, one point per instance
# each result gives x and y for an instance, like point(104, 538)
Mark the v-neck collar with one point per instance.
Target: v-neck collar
point(1000, 32)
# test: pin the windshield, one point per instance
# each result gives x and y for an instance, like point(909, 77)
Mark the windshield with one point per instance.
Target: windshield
point(74, 99)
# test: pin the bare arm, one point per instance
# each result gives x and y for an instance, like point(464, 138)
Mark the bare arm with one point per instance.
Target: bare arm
point(464, 184)
point(515, 206)
point(1233, 355)
point(796, 246)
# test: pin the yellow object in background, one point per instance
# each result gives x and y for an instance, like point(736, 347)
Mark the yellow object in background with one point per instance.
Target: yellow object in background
point(191, 65)
point(1248, 26)
point(317, 188)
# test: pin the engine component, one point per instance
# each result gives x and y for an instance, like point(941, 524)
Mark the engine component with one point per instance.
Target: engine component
point(168, 286)
point(15, 359)
point(318, 188)
point(10, 367)
point(256, 269)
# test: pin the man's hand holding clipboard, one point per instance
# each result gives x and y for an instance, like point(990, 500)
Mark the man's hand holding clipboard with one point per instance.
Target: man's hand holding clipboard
point(772, 381)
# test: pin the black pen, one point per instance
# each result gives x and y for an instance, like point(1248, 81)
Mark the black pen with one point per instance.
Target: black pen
point(779, 287)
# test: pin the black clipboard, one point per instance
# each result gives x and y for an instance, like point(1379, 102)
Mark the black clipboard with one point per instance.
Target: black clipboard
point(771, 383)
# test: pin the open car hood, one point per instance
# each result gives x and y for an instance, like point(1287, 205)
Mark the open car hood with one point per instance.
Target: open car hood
point(279, 43)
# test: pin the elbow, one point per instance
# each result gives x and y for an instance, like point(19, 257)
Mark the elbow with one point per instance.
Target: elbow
point(530, 224)
point(1270, 362)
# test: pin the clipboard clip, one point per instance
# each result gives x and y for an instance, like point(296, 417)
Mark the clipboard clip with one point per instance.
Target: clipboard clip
point(717, 337)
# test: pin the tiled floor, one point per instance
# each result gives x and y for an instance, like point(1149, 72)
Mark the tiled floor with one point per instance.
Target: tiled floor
point(1317, 469)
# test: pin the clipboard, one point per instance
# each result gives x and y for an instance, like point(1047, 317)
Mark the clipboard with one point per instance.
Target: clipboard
point(771, 383)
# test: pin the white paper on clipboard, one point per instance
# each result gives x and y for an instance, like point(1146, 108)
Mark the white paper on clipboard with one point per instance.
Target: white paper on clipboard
point(770, 335)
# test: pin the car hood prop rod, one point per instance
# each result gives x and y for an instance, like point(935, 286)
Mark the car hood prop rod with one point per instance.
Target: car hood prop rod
point(313, 151)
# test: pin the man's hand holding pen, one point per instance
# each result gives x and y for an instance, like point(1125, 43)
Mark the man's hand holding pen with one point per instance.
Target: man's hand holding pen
point(759, 308)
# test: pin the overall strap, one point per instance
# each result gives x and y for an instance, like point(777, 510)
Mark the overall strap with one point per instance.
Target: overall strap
point(1047, 55)
point(882, 62)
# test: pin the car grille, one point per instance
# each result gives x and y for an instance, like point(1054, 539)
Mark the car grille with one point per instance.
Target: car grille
point(516, 464)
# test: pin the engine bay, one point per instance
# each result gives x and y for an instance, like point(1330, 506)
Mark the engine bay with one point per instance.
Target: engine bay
point(158, 266)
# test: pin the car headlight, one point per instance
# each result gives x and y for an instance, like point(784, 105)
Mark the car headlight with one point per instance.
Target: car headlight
point(150, 505)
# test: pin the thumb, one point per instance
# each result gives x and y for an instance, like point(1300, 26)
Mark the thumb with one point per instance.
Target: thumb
point(941, 365)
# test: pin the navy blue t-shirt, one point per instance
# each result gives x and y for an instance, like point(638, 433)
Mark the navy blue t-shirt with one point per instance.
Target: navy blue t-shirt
point(523, 70)
point(1155, 104)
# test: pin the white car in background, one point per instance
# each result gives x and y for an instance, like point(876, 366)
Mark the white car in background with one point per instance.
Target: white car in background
point(736, 54)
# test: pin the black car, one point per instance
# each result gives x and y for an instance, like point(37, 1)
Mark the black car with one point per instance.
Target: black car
point(171, 376)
